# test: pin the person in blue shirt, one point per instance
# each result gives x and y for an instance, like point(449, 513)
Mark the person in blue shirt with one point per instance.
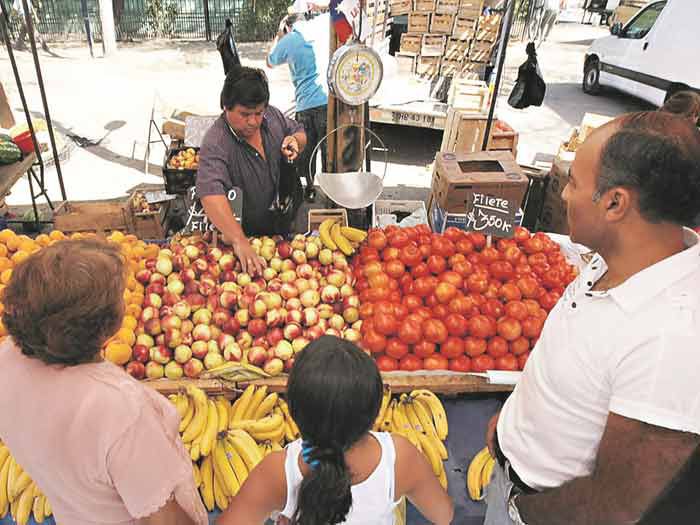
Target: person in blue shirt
point(295, 49)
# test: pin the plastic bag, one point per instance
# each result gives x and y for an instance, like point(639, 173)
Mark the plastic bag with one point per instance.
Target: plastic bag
point(226, 45)
point(530, 88)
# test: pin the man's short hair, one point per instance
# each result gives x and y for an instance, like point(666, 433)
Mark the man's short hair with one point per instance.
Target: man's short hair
point(684, 104)
point(656, 154)
point(245, 86)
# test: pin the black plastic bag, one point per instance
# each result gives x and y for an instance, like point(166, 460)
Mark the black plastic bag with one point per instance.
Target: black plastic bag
point(530, 87)
point(226, 45)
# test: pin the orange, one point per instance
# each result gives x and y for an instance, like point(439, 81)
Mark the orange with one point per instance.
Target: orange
point(57, 235)
point(118, 352)
point(137, 252)
point(42, 239)
point(77, 236)
point(3, 250)
point(131, 283)
point(129, 322)
point(5, 263)
point(27, 246)
point(5, 276)
point(13, 243)
point(131, 238)
point(136, 298)
point(19, 256)
point(127, 296)
point(152, 251)
point(6, 235)
point(116, 236)
point(125, 335)
point(133, 310)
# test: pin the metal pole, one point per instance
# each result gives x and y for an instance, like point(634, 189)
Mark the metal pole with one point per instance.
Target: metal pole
point(88, 31)
point(42, 90)
point(505, 36)
point(207, 21)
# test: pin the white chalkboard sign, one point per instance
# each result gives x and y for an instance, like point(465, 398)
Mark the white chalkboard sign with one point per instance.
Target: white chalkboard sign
point(197, 221)
point(490, 214)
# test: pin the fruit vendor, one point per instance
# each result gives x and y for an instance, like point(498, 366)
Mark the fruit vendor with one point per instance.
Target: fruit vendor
point(248, 147)
point(606, 417)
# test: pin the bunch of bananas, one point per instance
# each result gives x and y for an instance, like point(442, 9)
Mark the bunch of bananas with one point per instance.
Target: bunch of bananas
point(420, 418)
point(479, 473)
point(18, 493)
point(337, 237)
point(264, 416)
point(236, 372)
point(201, 419)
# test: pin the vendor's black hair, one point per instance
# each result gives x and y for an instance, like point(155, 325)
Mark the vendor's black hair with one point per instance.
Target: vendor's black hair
point(246, 86)
point(334, 393)
point(656, 154)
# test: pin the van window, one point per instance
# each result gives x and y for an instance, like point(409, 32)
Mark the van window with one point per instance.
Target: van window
point(642, 24)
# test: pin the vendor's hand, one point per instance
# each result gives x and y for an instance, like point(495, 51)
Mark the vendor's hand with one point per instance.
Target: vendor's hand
point(491, 433)
point(251, 262)
point(290, 148)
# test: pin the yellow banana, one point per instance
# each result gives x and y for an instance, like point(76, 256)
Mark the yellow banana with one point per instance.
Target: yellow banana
point(38, 508)
point(436, 409)
point(240, 407)
point(236, 461)
point(189, 413)
point(276, 435)
point(413, 419)
point(266, 406)
point(386, 398)
point(439, 446)
point(324, 232)
point(288, 416)
point(207, 488)
point(353, 234)
point(4, 500)
point(255, 402)
point(342, 243)
point(13, 472)
point(222, 410)
point(222, 467)
point(486, 472)
point(219, 496)
point(276, 447)
point(425, 417)
point(442, 478)
point(181, 403)
point(430, 452)
point(388, 417)
point(24, 505)
point(474, 473)
point(20, 484)
point(267, 424)
point(210, 431)
point(402, 425)
point(195, 450)
point(197, 475)
point(246, 446)
point(288, 432)
point(201, 411)
point(4, 454)
point(48, 511)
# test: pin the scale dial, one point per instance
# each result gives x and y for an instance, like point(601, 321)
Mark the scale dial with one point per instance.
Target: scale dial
point(355, 73)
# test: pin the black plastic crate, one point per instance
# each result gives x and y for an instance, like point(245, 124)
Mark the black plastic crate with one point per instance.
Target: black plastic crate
point(178, 181)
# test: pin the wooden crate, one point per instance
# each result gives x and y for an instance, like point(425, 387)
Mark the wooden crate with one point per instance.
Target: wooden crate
point(488, 27)
point(464, 132)
point(418, 22)
point(99, 217)
point(411, 43)
point(317, 216)
point(468, 95)
point(450, 67)
point(480, 51)
point(433, 45)
point(464, 29)
point(473, 71)
point(401, 7)
point(406, 62)
point(425, 6)
point(456, 49)
point(447, 7)
point(503, 138)
point(442, 24)
point(428, 67)
point(470, 9)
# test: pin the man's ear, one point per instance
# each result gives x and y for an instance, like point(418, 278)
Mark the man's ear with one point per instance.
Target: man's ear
point(618, 203)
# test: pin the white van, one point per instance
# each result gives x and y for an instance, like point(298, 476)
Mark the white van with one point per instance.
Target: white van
point(652, 56)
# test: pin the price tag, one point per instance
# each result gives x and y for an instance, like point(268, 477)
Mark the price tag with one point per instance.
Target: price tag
point(197, 220)
point(490, 215)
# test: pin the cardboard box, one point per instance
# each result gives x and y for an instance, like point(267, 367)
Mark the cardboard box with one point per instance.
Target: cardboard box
point(433, 45)
point(401, 7)
point(447, 7)
point(480, 51)
point(428, 67)
point(464, 28)
point(456, 49)
point(442, 24)
point(464, 132)
point(418, 22)
point(410, 43)
point(425, 6)
point(553, 216)
point(488, 187)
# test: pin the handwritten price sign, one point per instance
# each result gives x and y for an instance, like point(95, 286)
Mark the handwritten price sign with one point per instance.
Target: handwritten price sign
point(197, 220)
point(490, 215)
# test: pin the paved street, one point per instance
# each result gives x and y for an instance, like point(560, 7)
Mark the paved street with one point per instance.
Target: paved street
point(112, 98)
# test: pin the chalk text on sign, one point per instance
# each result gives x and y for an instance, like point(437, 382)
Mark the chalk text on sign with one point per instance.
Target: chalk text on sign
point(489, 212)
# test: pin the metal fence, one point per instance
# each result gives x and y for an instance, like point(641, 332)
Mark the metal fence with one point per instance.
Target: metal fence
point(253, 20)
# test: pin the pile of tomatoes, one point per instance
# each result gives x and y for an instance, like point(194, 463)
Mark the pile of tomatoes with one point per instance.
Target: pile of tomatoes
point(449, 301)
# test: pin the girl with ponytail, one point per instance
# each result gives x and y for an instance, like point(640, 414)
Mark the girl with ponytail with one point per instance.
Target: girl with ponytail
point(339, 472)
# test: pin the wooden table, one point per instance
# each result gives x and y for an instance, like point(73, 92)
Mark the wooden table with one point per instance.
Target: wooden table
point(11, 173)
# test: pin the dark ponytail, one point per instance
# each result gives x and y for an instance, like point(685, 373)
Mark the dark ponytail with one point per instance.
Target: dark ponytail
point(335, 392)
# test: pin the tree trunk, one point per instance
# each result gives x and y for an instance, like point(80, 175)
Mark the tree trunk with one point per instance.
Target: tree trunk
point(109, 37)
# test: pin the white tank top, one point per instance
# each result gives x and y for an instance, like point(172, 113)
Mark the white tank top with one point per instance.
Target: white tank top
point(372, 500)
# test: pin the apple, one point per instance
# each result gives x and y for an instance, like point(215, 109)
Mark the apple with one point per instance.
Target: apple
point(294, 304)
point(337, 322)
point(274, 366)
point(171, 321)
point(191, 287)
point(257, 327)
point(182, 354)
point(314, 284)
point(311, 250)
point(215, 254)
point(160, 339)
point(330, 294)
point(274, 317)
point(173, 337)
point(161, 354)
point(187, 326)
point(201, 332)
point(145, 340)
point(305, 271)
point(302, 285)
point(284, 249)
point(156, 288)
point(243, 317)
point(229, 276)
point(213, 346)
point(202, 317)
point(244, 301)
point(182, 310)
point(333, 332)
point(351, 301)
point(148, 313)
point(346, 290)
point(165, 252)
point(274, 285)
point(154, 370)
point(284, 350)
point(170, 299)
point(299, 343)
point(274, 336)
point(187, 338)
point(193, 368)
point(351, 315)
point(228, 300)
point(157, 278)
point(288, 276)
point(196, 301)
point(267, 252)
point(164, 266)
point(244, 339)
point(200, 265)
point(207, 285)
point(310, 298)
point(153, 327)
point(261, 341)
point(340, 261)
point(221, 317)
point(257, 355)
point(233, 352)
point(136, 369)
point(154, 300)
point(252, 289)
point(311, 316)
point(191, 251)
point(293, 316)
point(325, 257)
point(288, 265)
point(269, 274)
point(141, 353)
point(224, 340)
point(357, 325)
point(173, 370)
point(258, 309)
point(200, 349)
point(325, 311)
point(352, 335)
point(336, 278)
point(289, 364)
point(243, 279)
point(275, 263)
point(288, 291)
point(143, 276)
point(292, 331)
point(314, 332)
point(212, 360)
point(187, 275)
point(176, 287)
point(232, 326)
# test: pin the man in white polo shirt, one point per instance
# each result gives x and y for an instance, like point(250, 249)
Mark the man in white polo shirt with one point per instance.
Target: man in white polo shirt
point(607, 412)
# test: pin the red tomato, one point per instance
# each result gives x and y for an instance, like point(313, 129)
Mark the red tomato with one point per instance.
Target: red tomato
point(463, 305)
point(512, 255)
point(456, 258)
point(366, 310)
point(533, 307)
point(425, 239)
point(411, 302)
point(395, 296)
point(480, 326)
point(384, 308)
point(411, 363)
point(537, 258)
point(434, 331)
point(490, 255)
point(554, 258)
point(478, 240)
point(372, 268)
point(492, 308)
point(523, 270)
point(374, 342)
point(445, 292)
point(521, 234)
point(463, 269)
point(443, 247)
point(424, 312)
point(497, 347)
point(522, 359)
point(474, 346)
point(510, 292)
point(361, 284)
point(540, 269)
point(452, 348)
point(424, 286)
point(410, 255)
point(552, 279)
point(437, 264)
point(453, 234)
point(424, 349)
point(385, 324)
point(519, 346)
point(436, 362)
point(517, 310)
point(475, 259)
point(387, 364)
point(390, 254)
point(431, 301)
point(377, 240)
point(532, 327)
point(367, 326)
point(507, 362)
point(378, 280)
point(508, 328)
point(440, 311)
point(528, 286)
point(410, 331)
point(483, 363)
point(465, 247)
point(501, 270)
point(549, 300)
point(400, 311)
point(396, 348)
point(423, 229)
point(533, 245)
point(504, 244)
point(425, 250)
point(398, 239)
point(420, 270)
point(395, 269)
point(461, 364)
point(477, 282)
point(456, 325)
point(377, 294)
point(453, 278)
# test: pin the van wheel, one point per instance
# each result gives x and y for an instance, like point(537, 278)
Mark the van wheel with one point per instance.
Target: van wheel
point(591, 77)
